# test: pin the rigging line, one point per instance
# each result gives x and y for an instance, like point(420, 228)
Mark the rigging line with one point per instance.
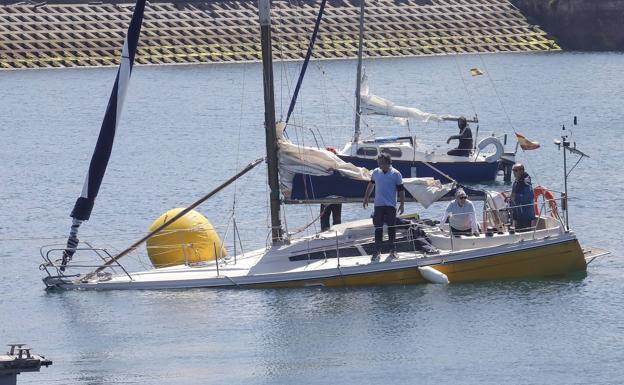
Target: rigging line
point(284, 64)
point(487, 73)
point(474, 110)
point(346, 99)
point(575, 164)
point(240, 127)
point(324, 88)
point(275, 25)
point(324, 98)
point(305, 166)
point(267, 197)
point(297, 231)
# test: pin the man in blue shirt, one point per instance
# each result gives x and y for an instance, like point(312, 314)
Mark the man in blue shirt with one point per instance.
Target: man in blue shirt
point(387, 182)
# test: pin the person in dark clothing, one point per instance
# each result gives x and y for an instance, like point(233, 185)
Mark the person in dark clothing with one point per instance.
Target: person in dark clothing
point(464, 148)
point(522, 199)
point(333, 210)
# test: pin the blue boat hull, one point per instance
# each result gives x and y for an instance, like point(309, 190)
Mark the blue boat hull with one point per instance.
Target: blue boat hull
point(308, 188)
point(463, 172)
point(338, 188)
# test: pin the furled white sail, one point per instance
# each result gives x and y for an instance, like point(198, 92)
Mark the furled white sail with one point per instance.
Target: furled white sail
point(374, 105)
point(295, 159)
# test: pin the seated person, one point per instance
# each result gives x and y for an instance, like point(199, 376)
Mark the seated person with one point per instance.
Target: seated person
point(464, 148)
point(461, 215)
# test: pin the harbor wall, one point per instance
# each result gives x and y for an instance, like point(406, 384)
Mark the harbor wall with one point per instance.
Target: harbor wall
point(585, 25)
point(68, 33)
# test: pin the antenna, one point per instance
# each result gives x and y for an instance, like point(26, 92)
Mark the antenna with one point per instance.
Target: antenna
point(565, 144)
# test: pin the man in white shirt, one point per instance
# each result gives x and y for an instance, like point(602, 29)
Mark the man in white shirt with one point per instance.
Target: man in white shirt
point(462, 215)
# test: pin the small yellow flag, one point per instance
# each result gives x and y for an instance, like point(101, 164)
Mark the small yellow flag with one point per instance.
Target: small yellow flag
point(475, 72)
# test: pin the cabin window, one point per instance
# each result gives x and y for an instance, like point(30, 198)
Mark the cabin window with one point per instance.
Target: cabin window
point(367, 151)
point(394, 152)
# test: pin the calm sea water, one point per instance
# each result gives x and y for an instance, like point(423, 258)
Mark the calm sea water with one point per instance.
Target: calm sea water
point(185, 129)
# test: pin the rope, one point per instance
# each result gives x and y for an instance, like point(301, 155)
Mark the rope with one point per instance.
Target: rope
point(500, 101)
point(311, 223)
point(240, 126)
point(474, 110)
point(487, 73)
point(346, 99)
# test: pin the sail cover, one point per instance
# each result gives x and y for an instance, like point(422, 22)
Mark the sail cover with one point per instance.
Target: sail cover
point(426, 190)
point(374, 105)
point(104, 146)
point(294, 159)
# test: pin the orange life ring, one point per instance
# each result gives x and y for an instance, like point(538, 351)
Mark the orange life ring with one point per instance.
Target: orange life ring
point(549, 197)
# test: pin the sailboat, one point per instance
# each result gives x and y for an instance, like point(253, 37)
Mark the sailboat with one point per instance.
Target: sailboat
point(334, 258)
point(410, 157)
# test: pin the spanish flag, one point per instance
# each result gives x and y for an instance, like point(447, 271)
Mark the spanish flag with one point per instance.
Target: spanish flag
point(526, 144)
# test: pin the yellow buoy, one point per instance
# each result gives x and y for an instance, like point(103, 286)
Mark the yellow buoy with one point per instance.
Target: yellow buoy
point(190, 239)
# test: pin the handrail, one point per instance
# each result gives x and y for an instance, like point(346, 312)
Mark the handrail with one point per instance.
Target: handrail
point(337, 250)
point(49, 263)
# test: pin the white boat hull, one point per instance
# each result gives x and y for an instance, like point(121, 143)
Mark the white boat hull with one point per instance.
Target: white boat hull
point(533, 258)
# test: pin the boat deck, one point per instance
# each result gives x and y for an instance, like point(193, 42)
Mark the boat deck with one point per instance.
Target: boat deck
point(301, 263)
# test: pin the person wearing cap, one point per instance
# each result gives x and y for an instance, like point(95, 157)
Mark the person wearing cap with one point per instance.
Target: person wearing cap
point(386, 181)
point(521, 199)
point(461, 215)
point(464, 148)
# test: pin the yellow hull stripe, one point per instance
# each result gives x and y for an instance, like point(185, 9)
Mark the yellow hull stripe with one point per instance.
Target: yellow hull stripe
point(552, 260)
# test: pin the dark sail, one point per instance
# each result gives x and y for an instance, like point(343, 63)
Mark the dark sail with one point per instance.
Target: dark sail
point(104, 146)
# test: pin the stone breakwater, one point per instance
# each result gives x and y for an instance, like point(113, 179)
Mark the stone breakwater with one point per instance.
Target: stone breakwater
point(81, 34)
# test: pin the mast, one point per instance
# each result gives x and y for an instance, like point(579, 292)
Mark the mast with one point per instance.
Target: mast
point(566, 144)
point(264, 12)
point(356, 135)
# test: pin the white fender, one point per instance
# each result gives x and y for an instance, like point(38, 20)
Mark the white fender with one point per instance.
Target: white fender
point(499, 148)
point(432, 275)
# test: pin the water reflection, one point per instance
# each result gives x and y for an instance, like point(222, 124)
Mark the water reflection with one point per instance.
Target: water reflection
point(556, 331)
